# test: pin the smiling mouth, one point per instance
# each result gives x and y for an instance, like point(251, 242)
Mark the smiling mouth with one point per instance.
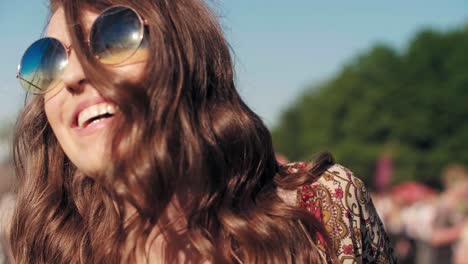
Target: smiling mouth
point(94, 114)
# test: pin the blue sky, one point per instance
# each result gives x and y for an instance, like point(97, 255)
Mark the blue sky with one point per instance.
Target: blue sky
point(280, 47)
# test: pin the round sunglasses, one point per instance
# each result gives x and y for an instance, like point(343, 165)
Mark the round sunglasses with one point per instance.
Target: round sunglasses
point(115, 36)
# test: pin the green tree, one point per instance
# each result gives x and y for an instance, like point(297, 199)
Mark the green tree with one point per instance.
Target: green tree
point(412, 104)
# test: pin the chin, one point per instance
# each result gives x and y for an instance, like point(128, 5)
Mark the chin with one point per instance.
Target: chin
point(89, 164)
point(91, 158)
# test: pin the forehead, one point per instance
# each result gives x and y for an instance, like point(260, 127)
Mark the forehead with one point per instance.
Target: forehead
point(58, 27)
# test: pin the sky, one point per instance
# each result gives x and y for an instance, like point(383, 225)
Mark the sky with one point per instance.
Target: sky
point(280, 47)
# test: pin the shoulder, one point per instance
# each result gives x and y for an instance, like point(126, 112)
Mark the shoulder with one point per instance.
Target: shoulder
point(336, 181)
point(343, 204)
point(338, 195)
point(339, 183)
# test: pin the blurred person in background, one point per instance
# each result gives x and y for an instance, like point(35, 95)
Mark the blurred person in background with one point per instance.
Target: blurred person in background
point(7, 201)
point(460, 255)
point(7, 205)
point(281, 159)
point(391, 208)
point(136, 147)
point(435, 223)
point(451, 212)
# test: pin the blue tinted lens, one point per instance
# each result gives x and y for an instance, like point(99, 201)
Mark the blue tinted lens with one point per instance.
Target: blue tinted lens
point(116, 35)
point(42, 64)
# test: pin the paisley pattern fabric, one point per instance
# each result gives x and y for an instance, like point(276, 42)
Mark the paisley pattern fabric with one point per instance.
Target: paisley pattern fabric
point(341, 201)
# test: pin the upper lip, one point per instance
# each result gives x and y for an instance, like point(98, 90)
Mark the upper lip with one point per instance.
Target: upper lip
point(83, 105)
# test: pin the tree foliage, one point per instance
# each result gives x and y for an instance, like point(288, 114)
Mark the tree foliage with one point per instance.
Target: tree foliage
point(413, 104)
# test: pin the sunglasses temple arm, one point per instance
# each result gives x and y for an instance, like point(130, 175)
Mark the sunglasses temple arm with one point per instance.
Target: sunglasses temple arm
point(19, 77)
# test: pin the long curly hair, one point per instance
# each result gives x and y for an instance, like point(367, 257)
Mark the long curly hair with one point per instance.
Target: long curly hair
point(182, 133)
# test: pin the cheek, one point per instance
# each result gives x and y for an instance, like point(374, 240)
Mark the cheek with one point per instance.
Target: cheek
point(132, 72)
point(53, 110)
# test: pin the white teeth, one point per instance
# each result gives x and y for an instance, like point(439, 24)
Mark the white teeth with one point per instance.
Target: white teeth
point(93, 112)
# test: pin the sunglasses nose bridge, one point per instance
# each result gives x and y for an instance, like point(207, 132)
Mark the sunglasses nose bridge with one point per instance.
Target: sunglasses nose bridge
point(73, 75)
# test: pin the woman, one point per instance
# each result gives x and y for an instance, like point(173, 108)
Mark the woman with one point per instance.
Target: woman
point(137, 148)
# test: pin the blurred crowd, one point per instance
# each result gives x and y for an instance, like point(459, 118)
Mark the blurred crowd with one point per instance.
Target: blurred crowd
point(425, 225)
point(7, 203)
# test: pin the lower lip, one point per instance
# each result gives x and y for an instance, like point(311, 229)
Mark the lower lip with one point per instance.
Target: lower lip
point(93, 127)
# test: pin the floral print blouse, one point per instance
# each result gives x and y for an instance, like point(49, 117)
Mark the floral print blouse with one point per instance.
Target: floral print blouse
point(344, 206)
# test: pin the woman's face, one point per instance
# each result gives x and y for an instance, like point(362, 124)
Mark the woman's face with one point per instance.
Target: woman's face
point(78, 114)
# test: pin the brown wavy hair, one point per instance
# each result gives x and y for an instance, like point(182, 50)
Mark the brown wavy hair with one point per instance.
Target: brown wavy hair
point(182, 134)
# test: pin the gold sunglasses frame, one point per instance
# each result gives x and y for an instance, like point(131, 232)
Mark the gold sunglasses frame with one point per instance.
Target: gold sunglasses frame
point(143, 23)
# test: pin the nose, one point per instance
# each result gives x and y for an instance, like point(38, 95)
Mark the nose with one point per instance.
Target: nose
point(73, 76)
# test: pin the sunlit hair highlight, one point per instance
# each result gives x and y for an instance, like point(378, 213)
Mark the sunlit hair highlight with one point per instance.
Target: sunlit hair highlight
point(184, 135)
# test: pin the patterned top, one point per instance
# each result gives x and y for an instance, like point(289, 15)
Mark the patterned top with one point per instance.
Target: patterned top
point(344, 206)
